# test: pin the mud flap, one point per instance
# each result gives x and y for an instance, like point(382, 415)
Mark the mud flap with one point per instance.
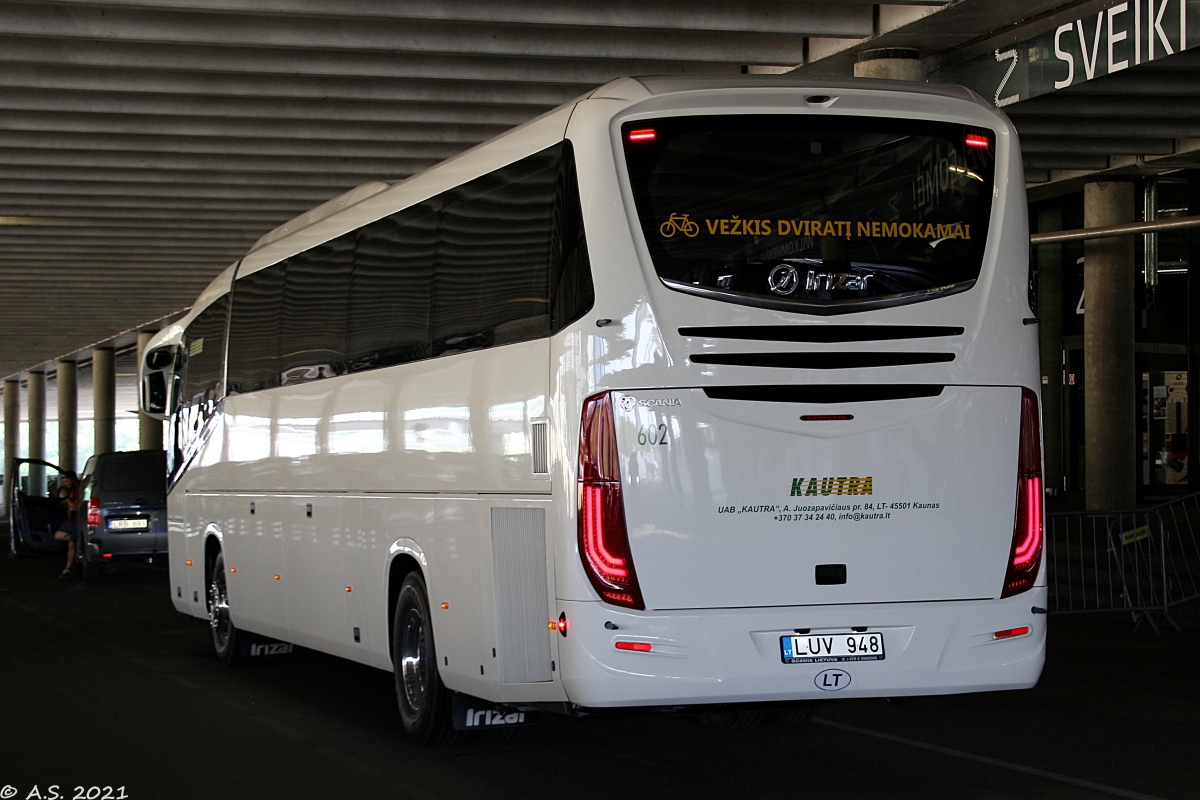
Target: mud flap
point(472, 714)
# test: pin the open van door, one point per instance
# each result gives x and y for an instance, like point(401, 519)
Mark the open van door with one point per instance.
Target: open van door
point(34, 510)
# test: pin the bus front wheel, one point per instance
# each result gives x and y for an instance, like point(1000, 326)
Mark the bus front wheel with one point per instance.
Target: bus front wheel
point(423, 700)
point(226, 637)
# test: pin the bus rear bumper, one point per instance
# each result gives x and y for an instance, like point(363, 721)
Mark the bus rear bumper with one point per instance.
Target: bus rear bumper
point(734, 655)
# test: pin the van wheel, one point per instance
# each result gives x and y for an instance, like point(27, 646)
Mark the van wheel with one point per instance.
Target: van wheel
point(226, 637)
point(423, 700)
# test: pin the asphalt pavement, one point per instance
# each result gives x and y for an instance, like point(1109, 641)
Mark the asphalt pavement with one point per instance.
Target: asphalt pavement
point(107, 686)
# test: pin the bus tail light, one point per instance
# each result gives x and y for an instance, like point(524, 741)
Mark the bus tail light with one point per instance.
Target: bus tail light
point(93, 515)
point(1025, 555)
point(603, 539)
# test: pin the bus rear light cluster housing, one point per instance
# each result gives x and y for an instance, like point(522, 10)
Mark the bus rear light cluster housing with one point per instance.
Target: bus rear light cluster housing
point(603, 537)
point(1025, 555)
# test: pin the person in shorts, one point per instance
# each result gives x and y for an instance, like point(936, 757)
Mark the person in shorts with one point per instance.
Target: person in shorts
point(68, 495)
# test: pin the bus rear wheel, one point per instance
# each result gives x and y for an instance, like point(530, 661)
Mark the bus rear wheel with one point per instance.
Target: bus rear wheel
point(226, 637)
point(423, 700)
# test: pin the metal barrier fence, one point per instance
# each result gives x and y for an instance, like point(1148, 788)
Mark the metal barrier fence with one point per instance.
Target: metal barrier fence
point(1143, 562)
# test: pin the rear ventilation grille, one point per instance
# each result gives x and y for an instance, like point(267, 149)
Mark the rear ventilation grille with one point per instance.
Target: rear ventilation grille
point(825, 334)
point(522, 607)
point(540, 447)
point(820, 360)
point(837, 393)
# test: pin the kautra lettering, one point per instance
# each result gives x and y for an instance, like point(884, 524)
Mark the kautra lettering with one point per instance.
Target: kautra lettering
point(812, 487)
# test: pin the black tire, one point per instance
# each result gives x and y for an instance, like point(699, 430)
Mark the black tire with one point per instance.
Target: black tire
point(226, 637)
point(733, 720)
point(788, 716)
point(423, 699)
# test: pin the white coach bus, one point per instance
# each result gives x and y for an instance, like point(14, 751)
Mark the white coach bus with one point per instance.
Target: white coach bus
point(706, 394)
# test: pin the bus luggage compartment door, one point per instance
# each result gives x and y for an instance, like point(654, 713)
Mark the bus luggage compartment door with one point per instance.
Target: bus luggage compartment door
point(740, 503)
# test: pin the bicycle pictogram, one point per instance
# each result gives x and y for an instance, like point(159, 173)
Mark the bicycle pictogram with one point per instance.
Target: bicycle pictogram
point(679, 223)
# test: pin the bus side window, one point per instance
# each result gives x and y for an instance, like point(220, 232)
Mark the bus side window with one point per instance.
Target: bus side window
point(254, 329)
point(314, 315)
point(202, 361)
point(491, 277)
point(571, 291)
point(391, 289)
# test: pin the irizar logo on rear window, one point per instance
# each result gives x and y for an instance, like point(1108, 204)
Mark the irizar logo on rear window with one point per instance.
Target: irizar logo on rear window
point(812, 487)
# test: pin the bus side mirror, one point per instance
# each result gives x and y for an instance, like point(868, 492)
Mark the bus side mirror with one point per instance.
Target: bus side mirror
point(159, 383)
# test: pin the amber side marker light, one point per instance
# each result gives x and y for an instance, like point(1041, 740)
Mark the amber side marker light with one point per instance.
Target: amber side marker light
point(233, 569)
point(1011, 632)
point(349, 588)
point(445, 605)
point(641, 647)
point(188, 562)
point(276, 577)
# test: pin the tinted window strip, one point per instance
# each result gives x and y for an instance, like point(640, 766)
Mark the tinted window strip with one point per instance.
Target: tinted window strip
point(821, 360)
point(825, 393)
point(823, 333)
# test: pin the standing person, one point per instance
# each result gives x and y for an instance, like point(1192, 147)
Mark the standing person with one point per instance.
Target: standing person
point(68, 495)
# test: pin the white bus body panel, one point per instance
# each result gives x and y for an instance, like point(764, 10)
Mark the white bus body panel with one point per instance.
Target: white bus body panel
point(745, 498)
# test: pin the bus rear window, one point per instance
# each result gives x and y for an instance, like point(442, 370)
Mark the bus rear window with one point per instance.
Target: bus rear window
point(812, 214)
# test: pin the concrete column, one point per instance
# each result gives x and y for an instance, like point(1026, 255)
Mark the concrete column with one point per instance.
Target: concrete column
point(1050, 323)
point(893, 63)
point(150, 430)
point(68, 417)
point(36, 388)
point(1110, 388)
point(12, 432)
point(104, 399)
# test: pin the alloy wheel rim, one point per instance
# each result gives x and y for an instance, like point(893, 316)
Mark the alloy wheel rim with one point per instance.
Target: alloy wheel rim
point(413, 665)
point(218, 611)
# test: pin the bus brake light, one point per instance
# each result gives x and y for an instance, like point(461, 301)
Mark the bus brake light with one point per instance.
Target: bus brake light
point(603, 539)
point(642, 135)
point(1025, 555)
point(977, 140)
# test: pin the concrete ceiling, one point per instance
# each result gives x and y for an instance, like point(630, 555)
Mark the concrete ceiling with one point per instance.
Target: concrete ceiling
point(145, 144)
point(1144, 119)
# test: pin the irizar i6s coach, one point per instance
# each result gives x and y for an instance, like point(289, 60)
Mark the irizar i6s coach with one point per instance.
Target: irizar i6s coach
point(704, 394)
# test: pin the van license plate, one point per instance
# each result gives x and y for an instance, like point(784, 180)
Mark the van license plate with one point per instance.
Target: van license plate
point(128, 524)
point(823, 647)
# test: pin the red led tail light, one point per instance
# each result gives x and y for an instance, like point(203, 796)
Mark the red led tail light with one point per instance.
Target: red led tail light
point(1025, 555)
point(603, 539)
